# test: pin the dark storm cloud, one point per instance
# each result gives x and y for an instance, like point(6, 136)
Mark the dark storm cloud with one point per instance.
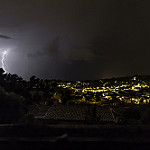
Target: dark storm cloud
point(82, 51)
point(53, 47)
point(73, 39)
point(4, 37)
point(35, 54)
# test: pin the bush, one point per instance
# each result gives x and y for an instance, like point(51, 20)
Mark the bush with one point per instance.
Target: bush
point(145, 118)
point(132, 113)
point(12, 107)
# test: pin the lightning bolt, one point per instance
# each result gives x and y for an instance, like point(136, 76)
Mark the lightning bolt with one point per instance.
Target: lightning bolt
point(3, 60)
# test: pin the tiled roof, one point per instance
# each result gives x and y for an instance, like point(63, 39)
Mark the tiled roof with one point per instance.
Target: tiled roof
point(37, 110)
point(79, 112)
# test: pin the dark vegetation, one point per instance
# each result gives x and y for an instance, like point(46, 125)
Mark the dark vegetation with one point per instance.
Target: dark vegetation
point(12, 107)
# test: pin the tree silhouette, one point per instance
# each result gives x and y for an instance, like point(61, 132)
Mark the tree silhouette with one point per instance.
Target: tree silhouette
point(2, 77)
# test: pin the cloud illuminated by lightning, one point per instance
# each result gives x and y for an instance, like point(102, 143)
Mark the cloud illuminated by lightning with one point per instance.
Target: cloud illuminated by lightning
point(4, 59)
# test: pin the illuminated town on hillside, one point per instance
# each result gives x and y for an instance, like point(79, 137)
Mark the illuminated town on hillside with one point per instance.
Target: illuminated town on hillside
point(104, 92)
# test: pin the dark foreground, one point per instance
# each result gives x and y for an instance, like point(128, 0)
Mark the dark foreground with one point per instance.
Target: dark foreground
point(74, 137)
point(39, 145)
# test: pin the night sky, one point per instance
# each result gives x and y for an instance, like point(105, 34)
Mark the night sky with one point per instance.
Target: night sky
point(76, 39)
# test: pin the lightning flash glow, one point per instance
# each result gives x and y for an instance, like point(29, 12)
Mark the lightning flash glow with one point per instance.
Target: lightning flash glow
point(4, 54)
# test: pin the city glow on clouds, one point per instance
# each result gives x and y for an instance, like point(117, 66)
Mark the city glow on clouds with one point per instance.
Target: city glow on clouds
point(4, 54)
